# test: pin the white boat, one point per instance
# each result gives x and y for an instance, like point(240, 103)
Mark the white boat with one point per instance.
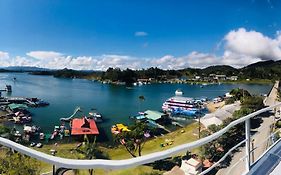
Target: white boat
point(96, 116)
point(178, 92)
point(39, 145)
point(180, 105)
point(42, 136)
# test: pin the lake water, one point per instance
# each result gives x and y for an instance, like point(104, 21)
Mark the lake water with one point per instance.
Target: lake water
point(115, 103)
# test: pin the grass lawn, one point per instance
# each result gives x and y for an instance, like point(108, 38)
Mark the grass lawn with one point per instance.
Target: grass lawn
point(153, 145)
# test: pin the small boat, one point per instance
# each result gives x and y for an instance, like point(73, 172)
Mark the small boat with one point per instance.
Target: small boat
point(41, 136)
point(17, 134)
point(39, 145)
point(35, 129)
point(32, 144)
point(178, 92)
point(35, 102)
point(42, 103)
point(54, 134)
point(96, 116)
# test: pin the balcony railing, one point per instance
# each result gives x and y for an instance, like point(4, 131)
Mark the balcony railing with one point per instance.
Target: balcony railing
point(127, 163)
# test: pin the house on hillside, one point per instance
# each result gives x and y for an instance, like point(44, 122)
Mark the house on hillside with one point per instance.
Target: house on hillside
point(233, 78)
point(220, 77)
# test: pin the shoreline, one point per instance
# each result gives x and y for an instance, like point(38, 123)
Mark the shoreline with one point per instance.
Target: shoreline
point(212, 107)
point(94, 78)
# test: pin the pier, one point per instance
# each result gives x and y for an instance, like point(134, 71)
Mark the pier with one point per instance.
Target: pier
point(162, 127)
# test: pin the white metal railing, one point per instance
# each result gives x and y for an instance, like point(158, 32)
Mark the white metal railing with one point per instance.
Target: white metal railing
point(252, 151)
point(126, 163)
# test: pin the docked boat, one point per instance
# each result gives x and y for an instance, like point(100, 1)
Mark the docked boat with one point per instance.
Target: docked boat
point(180, 105)
point(39, 145)
point(35, 102)
point(96, 116)
point(54, 134)
point(41, 136)
point(118, 128)
point(32, 144)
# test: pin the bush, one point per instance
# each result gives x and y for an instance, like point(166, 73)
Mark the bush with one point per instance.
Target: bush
point(230, 100)
point(278, 124)
point(4, 130)
point(15, 164)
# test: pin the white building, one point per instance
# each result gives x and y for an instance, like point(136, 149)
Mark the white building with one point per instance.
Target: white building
point(191, 166)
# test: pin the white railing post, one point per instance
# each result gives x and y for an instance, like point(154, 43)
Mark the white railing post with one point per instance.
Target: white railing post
point(248, 142)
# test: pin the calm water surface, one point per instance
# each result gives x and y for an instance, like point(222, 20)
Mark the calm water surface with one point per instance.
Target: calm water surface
point(115, 103)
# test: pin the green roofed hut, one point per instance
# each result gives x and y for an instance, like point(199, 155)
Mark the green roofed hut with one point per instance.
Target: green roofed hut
point(153, 116)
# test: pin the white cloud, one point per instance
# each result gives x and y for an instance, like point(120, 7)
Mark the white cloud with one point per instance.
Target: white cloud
point(254, 44)
point(242, 47)
point(44, 54)
point(4, 54)
point(4, 59)
point(141, 33)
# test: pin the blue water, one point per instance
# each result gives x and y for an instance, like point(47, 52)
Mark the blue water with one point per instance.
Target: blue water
point(115, 103)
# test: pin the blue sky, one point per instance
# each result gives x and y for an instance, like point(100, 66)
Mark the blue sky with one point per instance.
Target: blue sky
point(136, 30)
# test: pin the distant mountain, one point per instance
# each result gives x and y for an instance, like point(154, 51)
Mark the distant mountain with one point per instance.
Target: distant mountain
point(263, 69)
point(261, 64)
point(220, 69)
point(25, 69)
point(260, 70)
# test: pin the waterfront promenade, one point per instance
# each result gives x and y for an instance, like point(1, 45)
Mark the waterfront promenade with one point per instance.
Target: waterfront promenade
point(258, 141)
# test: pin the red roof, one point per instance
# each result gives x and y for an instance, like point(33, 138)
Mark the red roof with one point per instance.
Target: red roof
point(84, 126)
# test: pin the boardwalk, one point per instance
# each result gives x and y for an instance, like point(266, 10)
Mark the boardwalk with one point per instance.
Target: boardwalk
point(258, 139)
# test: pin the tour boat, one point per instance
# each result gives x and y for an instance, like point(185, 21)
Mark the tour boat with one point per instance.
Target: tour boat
point(181, 105)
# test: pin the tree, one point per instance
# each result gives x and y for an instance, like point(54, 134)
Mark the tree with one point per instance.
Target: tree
point(135, 139)
point(18, 164)
point(89, 150)
point(239, 94)
point(253, 102)
point(210, 149)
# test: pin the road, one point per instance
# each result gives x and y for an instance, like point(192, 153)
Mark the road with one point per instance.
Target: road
point(258, 139)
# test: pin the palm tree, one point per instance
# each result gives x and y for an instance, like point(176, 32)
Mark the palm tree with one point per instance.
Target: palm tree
point(90, 151)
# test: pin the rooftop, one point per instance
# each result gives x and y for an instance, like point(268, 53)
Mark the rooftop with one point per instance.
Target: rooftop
point(84, 126)
point(153, 115)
